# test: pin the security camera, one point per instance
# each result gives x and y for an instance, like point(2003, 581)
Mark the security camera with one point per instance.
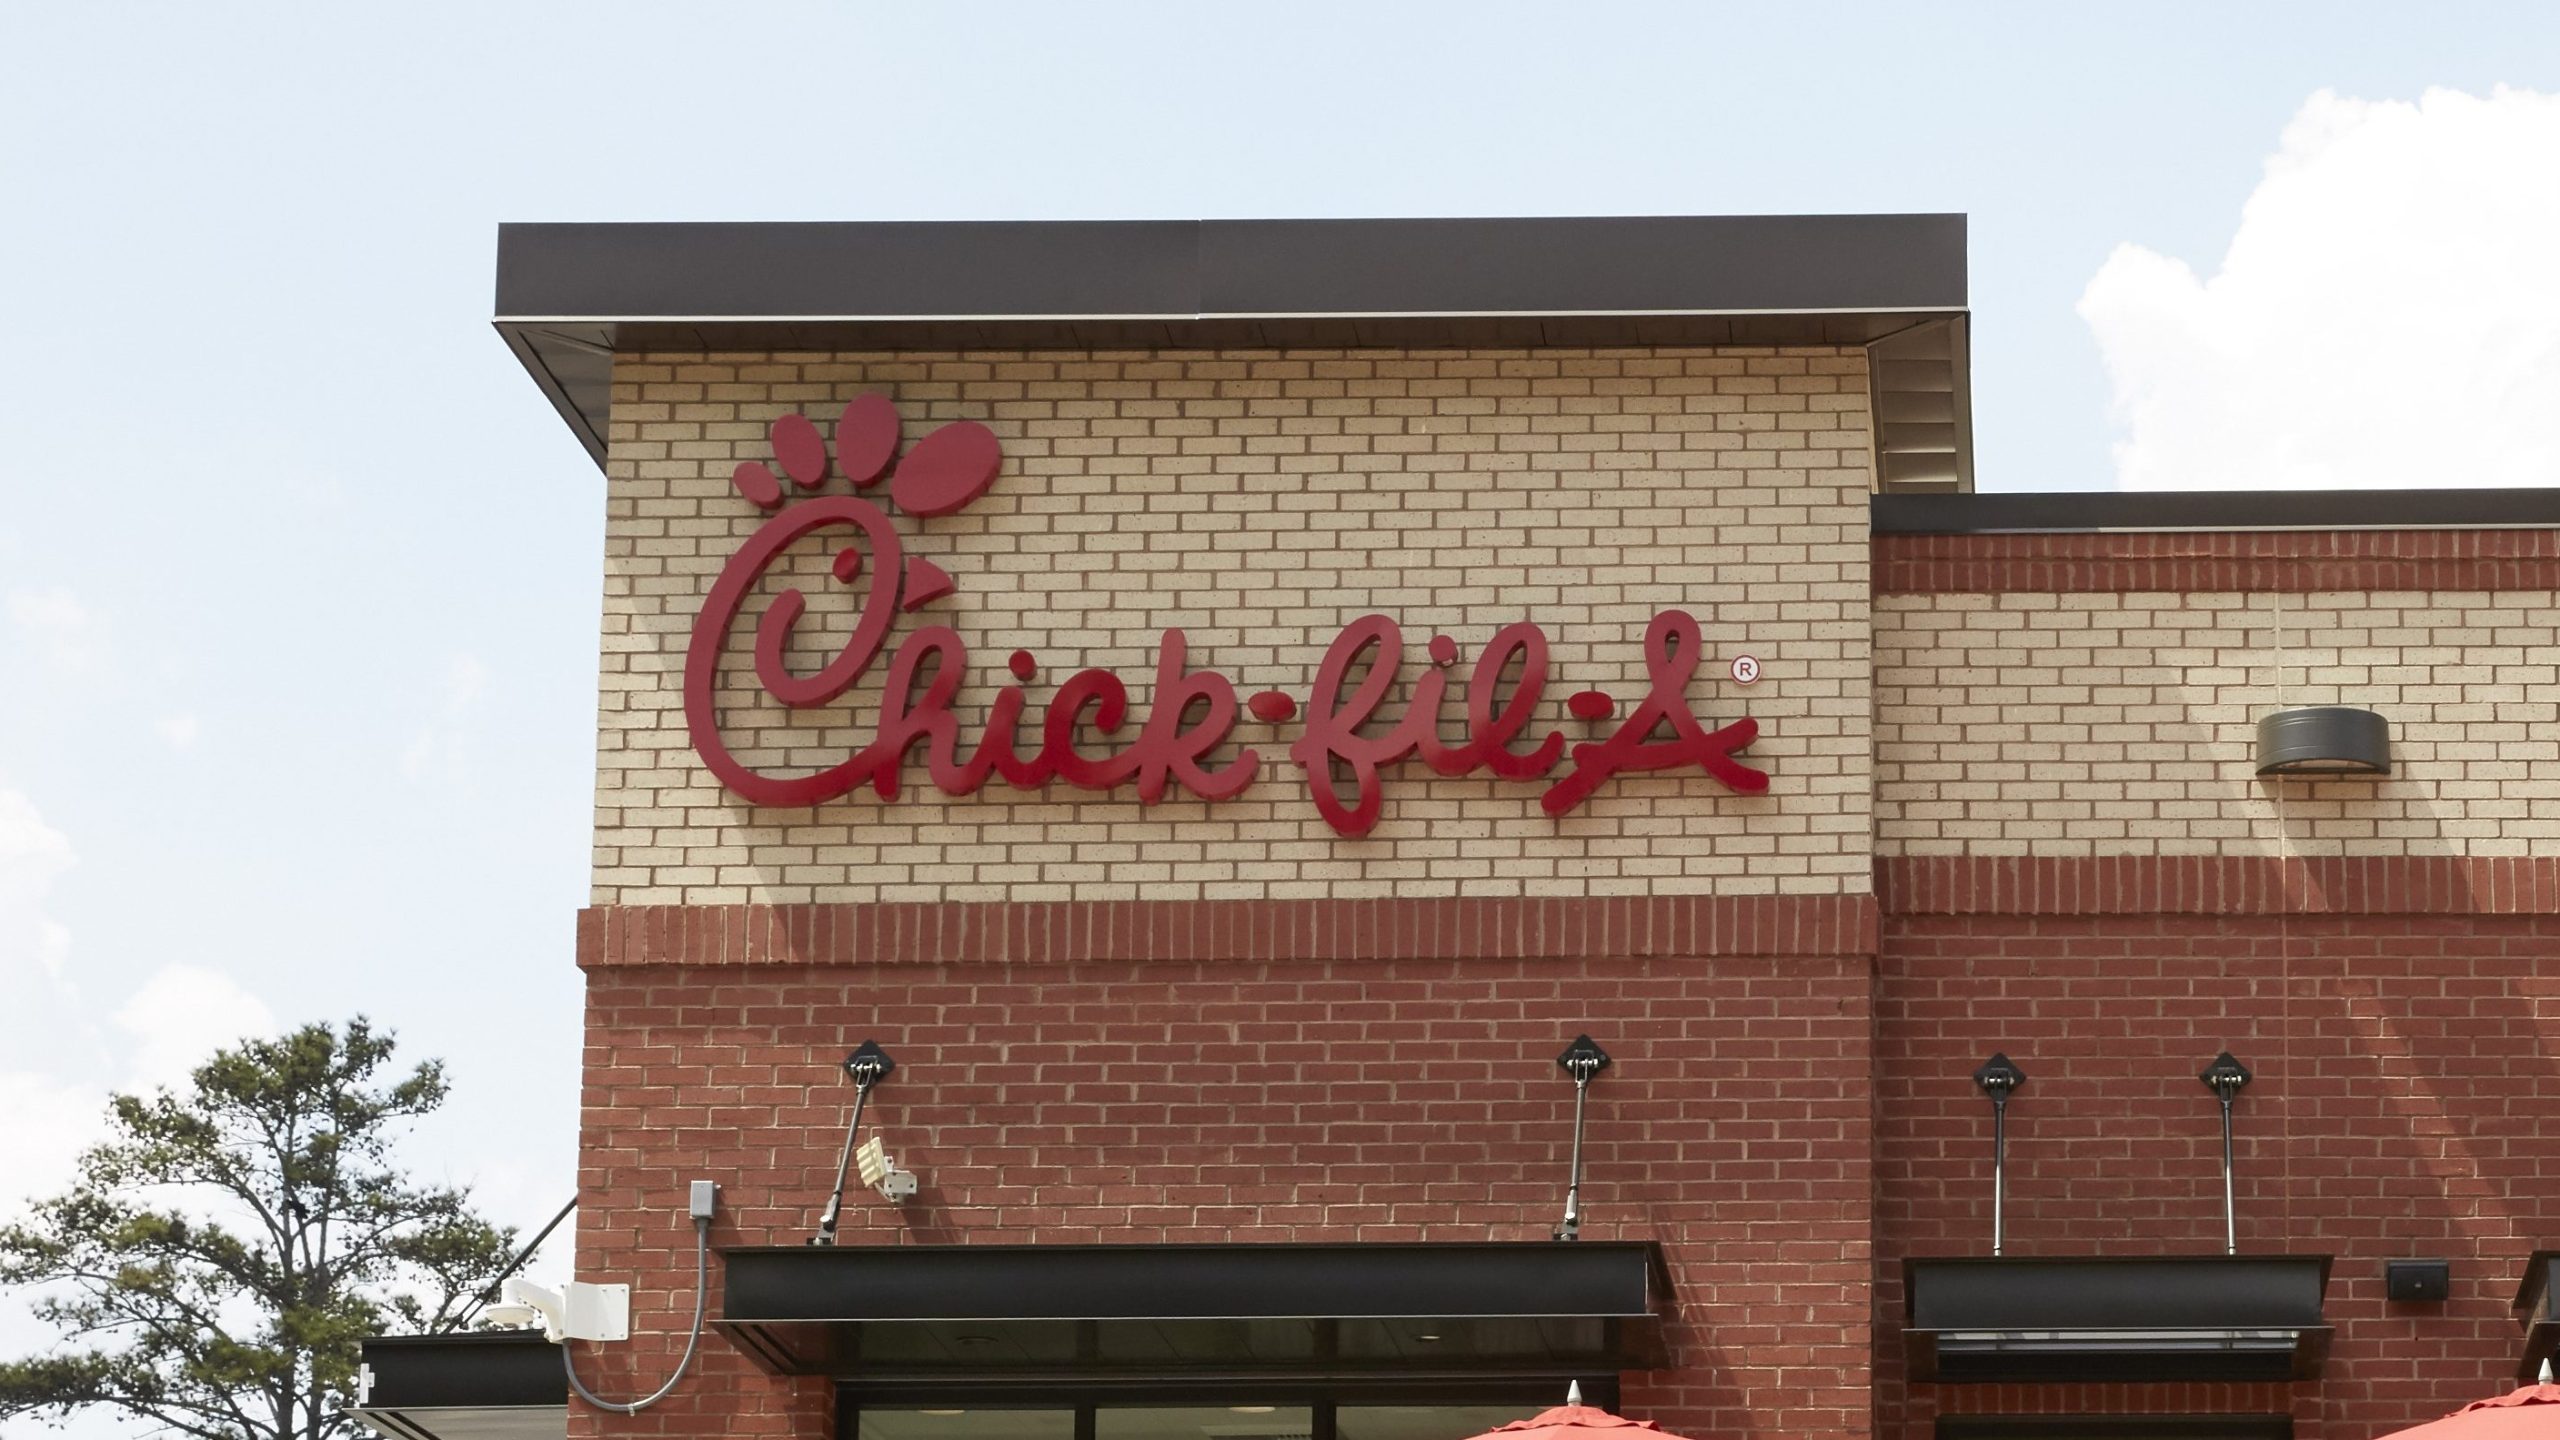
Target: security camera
point(579, 1312)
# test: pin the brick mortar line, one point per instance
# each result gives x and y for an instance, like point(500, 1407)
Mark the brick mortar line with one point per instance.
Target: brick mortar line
point(1142, 931)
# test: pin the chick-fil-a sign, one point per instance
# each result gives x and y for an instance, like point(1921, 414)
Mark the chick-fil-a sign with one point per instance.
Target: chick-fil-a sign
point(1087, 732)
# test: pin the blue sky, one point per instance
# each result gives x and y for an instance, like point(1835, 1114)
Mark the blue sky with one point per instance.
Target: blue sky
point(299, 575)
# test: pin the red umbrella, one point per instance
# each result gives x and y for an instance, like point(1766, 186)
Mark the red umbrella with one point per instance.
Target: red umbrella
point(1574, 1420)
point(2531, 1413)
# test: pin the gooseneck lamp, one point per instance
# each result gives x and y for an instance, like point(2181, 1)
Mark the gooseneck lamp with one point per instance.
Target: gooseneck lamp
point(1582, 1060)
point(2224, 1077)
point(867, 1066)
point(1999, 1078)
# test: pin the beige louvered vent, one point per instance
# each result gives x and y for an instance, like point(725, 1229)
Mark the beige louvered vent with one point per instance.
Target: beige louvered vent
point(1923, 408)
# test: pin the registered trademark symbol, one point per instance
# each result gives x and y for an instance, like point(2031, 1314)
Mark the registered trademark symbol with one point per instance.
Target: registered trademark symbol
point(1746, 669)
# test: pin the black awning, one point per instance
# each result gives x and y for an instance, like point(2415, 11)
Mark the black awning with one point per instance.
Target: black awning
point(1026, 1311)
point(2538, 1312)
point(486, 1385)
point(2175, 1317)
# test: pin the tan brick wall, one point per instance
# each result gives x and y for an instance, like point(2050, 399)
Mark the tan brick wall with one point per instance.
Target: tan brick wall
point(2053, 724)
point(1260, 501)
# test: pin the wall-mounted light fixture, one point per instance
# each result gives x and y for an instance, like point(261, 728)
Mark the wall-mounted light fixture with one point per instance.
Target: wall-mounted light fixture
point(2224, 1077)
point(867, 1066)
point(1582, 1060)
point(1999, 1078)
point(2331, 740)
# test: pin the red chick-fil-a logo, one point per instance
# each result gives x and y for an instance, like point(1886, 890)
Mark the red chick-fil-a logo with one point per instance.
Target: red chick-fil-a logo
point(1349, 735)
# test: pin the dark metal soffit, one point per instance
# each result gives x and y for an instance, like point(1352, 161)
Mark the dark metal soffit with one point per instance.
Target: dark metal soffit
point(2090, 510)
point(480, 1385)
point(1979, 1319)
point(570, 296)
point(998, 1311)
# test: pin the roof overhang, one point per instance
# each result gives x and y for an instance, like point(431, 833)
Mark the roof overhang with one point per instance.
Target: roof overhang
point(484, 1385)
point(1014, 1312)
point(2108, 1319)
point(2081, 511)
point(571, 296)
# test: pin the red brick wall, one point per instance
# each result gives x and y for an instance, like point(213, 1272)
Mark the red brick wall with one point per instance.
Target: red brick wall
point(1073, 1074)
point(1079, 1099)
point(2404, 1106)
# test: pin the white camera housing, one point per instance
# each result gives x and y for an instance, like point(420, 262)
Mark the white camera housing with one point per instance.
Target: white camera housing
point(578, 1312)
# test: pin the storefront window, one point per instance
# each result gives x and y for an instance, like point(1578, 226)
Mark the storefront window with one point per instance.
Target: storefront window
point(1453, 1412)
point(1423, 1422)
point(958, 1421)
point(1206, 1422)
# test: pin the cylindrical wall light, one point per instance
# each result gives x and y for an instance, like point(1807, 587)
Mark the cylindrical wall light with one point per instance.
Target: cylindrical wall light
point(2324, 740)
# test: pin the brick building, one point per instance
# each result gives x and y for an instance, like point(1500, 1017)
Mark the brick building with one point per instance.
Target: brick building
point(1225, 1030)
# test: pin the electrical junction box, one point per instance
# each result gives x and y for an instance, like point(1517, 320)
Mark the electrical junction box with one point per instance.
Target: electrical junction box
point(2419, 1281)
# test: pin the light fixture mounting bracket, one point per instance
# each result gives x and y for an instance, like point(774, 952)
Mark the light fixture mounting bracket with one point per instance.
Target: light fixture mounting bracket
point(1583, 1058)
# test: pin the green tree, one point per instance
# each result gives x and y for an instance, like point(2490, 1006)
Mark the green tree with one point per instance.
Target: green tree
point(224, 1249)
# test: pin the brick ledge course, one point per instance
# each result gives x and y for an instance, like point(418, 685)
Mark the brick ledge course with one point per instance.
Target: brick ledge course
point(2295, 561)
point(2218, 885)
point(1056, 932)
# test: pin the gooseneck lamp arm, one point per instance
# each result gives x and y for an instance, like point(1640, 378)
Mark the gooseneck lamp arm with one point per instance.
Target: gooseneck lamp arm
point(868, 1065)
point(1998, 1078)
point(2224, 1077)
point(1582, 1060)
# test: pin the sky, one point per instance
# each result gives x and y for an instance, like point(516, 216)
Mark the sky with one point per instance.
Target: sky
point(299, 575)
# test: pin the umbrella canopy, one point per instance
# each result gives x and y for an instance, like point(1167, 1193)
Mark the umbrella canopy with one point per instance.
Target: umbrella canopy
point(1574, 1420)
point(2532, 1413)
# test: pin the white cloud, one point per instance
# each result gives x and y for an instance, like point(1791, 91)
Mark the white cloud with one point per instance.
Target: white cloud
point(33, 855)
point(180, 1017)
point(64, 630)
point(440, 746)
point(48, 1119)
point(2388, 313)
point(180, 729)
point(50, 1122)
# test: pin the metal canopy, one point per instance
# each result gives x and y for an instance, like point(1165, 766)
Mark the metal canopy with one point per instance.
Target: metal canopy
point(2537, 1310)
point(2183, 1317)
point(485, 1385)
point(571, 296)
point(993, 1312)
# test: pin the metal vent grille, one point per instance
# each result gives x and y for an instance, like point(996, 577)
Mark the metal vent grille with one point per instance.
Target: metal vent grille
point(1923, 409)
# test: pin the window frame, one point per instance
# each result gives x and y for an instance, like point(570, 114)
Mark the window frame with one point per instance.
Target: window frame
point(1321, 1397)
